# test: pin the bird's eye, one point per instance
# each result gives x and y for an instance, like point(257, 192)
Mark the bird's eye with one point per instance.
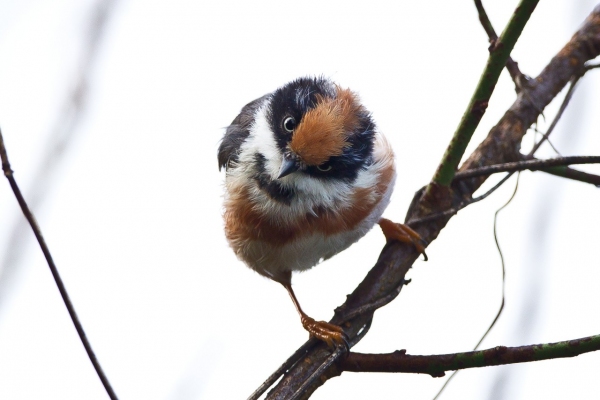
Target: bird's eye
point(324, 167)
point(289, 124)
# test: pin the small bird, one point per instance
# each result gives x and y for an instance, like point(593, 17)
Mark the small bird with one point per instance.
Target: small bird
point(307, 175)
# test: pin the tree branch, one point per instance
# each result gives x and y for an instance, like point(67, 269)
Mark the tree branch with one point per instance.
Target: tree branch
point(499, 54)
point(511, 65)
point(573, 174)
point(436, 365)
point(502, 145)
point(8, 173)
point(574, 80)
point(504, 140)
point(532, 165)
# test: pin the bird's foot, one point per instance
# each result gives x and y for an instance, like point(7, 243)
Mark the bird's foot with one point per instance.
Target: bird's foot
point(403, 233)
point(331, 334)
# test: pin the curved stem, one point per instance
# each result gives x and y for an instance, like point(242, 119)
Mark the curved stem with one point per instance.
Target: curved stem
point(436, 365)
point(59, 283)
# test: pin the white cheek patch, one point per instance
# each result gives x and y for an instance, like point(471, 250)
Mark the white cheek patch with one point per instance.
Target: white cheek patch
point(383, 156)
point(366, 179)
point(262, 140)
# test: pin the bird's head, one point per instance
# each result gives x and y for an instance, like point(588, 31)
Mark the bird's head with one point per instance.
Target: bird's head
point(319, 129)
point(309, 135)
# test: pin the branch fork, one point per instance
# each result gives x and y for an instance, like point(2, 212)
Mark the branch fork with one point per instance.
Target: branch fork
point(444, 194)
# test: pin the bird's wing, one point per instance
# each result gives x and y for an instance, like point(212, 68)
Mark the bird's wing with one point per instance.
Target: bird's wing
point(237, 132)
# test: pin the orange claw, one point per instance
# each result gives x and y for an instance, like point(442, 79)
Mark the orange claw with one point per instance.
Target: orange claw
point(331, 334)
point(403, 233)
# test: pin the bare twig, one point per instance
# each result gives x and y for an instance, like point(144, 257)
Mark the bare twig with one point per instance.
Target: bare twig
point(553, 166)
point(562, 171)
point(574, 80)
point(573, 174)
point(59, 283)
point(531, 165)
point(456, 209)
point(436, 365)
point(559, 114)
point(507, 134)
point(499, 54)
point(511, 65)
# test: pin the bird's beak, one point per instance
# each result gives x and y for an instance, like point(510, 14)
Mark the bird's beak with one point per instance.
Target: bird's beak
point(288, 165)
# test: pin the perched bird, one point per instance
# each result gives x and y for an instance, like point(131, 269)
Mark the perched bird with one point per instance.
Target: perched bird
point(307, 175)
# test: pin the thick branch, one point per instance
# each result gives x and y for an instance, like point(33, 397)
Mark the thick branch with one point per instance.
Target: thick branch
point(501, 146)
point(499, 54)
point(436, 365)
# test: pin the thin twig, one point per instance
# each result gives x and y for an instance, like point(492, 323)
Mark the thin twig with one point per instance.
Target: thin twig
point(574, 174)
point(561, 171)
point(455, 210)
point(532, 165)
point(479, 102)
point(511, 65)
point(554, 166)
point(559, 114)
point(59, 283)
point(574, 80)
point(571, 174)
point(436, 365)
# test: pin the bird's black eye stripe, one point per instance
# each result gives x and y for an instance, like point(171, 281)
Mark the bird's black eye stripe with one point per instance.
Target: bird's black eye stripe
point(289, 124)
point(324, 167)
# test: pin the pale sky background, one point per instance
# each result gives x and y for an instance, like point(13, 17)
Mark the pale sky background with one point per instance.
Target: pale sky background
point(131, 207)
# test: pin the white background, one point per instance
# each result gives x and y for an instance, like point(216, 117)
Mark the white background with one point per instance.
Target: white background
point(131, 204)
